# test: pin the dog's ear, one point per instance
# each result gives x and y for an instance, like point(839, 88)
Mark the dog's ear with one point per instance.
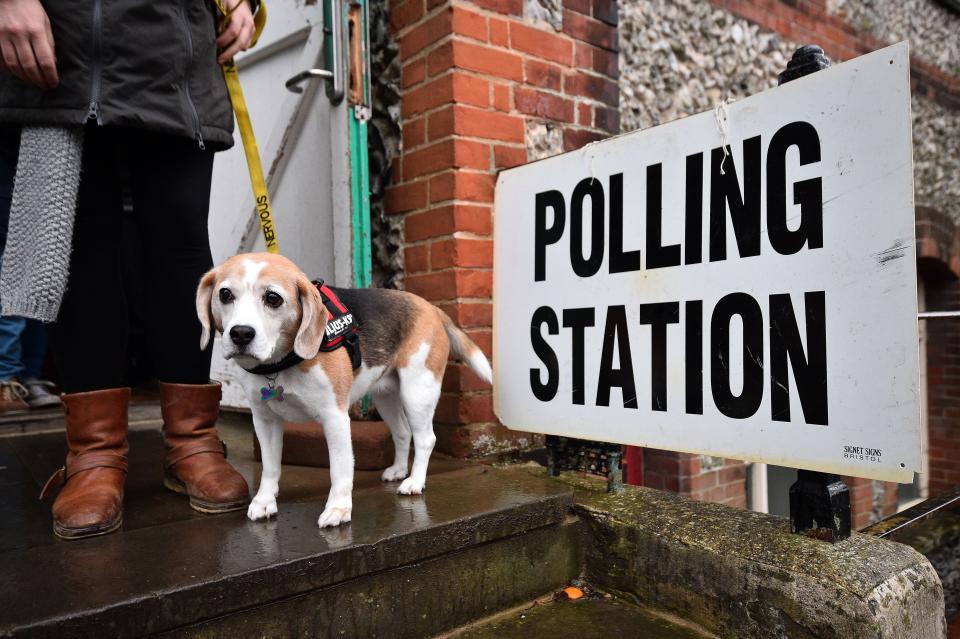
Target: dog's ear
point(204, 297)
point(313, 321)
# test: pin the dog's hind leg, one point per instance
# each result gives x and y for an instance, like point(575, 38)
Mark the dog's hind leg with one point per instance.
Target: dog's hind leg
point(419, 393)
point(391, 410)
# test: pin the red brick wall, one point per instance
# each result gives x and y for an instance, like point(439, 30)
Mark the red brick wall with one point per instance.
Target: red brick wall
point(938, 240)
point(861, 501)
point(473, 75)
point(870, 501)
point(943, 390)
point(686, 474)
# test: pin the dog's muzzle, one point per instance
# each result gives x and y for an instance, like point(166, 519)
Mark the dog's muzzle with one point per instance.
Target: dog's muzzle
point(242, 335)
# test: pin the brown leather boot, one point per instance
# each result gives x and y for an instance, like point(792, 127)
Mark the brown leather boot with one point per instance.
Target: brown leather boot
point(13, 396)
point(196, 458)
point(91, 500)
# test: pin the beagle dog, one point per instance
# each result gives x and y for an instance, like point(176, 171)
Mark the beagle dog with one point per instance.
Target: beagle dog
point(270, 314)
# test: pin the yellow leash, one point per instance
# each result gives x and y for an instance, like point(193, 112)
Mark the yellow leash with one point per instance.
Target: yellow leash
point(250, 149)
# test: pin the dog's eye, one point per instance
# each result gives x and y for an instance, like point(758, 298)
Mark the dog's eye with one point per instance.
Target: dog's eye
point(272, 300)
point(226, 296)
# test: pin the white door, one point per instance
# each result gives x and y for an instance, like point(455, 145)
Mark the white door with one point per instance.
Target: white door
point(304, 147)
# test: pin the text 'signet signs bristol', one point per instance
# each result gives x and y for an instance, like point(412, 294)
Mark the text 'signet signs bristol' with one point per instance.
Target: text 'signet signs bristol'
point(741, 286)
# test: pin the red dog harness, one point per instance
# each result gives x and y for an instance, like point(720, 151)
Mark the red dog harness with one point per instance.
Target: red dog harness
point(342, 328)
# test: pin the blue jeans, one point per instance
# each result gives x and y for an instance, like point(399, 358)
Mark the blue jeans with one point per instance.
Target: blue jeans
point(23, 342)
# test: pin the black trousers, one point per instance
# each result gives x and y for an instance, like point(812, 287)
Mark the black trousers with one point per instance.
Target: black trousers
point(166, 179)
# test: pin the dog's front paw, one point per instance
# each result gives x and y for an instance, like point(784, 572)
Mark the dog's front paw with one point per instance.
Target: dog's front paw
point(411, 486)
point(333, 516)
point(262, 508)
point(394, 473)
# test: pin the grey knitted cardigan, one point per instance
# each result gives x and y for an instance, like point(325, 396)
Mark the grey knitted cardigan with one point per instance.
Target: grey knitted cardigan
point(36, 260)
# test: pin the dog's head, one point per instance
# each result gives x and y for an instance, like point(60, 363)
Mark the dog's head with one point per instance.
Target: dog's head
point(264, 307)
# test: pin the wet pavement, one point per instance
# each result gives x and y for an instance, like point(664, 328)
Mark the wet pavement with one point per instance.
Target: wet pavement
point(170, 566)
point(581, 619)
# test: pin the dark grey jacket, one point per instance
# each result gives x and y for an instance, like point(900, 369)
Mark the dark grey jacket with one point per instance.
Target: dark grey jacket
point(148, 64)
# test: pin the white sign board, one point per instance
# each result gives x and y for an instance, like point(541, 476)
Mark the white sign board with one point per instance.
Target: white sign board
point(758, 304)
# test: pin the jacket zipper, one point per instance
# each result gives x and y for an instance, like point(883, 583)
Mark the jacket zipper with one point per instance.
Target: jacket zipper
point(186, 79)
point(94, 112)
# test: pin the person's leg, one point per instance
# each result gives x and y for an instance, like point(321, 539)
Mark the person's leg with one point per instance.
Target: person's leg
point(89, 342)
point(89, 337)
point(11, 328)
point(170, 179)
point(33, 346)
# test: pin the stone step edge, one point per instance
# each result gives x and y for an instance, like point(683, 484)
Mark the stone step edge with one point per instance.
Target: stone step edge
point(294, 577)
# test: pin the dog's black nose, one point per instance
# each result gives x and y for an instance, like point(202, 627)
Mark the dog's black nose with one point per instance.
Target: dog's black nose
point(242, 335)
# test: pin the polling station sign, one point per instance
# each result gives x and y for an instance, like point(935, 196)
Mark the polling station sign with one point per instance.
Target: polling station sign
point(738, 283)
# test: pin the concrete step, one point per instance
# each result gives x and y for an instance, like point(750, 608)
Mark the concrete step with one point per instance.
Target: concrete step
point(478, 541)
point(423, 597)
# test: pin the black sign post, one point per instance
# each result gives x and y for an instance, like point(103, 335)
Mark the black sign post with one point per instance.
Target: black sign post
point(819, 502)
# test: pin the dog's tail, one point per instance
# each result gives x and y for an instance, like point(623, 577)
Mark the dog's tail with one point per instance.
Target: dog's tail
point(466, 350)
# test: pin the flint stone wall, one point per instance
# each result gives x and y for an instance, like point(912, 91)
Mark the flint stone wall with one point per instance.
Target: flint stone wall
point(386, 231)
point(931, 27)
point(681, 57)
